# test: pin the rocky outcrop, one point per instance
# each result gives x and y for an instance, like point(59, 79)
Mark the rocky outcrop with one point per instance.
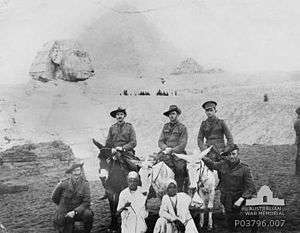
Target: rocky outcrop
point(31, 152)
point(12, 187)
point(62, 59)
point(22, 164)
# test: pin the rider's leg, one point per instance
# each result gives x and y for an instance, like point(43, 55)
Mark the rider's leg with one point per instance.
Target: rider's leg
point(180, 174)
point(103, 174)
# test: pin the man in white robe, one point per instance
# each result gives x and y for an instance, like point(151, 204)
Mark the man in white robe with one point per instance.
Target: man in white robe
point(174, 206)
point(132, 206)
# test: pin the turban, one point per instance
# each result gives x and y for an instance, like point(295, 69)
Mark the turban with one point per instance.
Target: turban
point(171, 181)
point(133, 175)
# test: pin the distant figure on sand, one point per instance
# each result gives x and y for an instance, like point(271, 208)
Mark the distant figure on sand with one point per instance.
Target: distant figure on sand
point(132, 206)
point(73, 198)
point(297, 130)
point(213, 130)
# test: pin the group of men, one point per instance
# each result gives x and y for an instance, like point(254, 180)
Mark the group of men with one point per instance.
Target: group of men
point(173, 137)
point(73, 195)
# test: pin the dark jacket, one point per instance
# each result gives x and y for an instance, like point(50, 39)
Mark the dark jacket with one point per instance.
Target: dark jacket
point(69, 196)
point(235, 181)
point(173, 135)
point(214, 130)
point(121, 135)
point(297, 130)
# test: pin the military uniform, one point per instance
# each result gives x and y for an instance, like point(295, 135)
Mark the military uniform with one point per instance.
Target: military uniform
point(174, 135)
point(297, 142)
point(214, 130)
point(69, 196)
point(121, 134)
point(236, 182)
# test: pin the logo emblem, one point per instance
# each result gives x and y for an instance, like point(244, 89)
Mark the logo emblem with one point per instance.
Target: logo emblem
point(265, 197)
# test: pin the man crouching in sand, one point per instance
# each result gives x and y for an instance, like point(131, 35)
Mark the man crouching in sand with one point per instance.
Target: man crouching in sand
point(73, 198)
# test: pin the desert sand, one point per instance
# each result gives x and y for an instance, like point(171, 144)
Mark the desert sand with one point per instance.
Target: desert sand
point(135, 51)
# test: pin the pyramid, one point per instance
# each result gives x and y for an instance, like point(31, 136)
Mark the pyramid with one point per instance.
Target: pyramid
point(128, 43)
point(188, 66)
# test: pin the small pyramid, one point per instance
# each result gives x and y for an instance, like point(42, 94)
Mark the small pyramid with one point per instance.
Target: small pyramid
point(188, 66)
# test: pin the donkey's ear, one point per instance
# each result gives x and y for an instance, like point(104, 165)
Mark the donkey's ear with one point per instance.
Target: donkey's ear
point(99, 145)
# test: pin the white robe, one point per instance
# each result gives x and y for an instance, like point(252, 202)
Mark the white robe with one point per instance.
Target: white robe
point(167, 215)
point(133, 219)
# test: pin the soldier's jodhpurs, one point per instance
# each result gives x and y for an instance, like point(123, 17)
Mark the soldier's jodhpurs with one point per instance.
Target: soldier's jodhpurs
point(85, 216)
point(298, 160)
point(178, 166)
point(232, 214)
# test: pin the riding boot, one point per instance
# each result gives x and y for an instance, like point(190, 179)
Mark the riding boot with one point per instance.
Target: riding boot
point(103, 180)
point(69, 225)
point(179, 178)
point(88, 221)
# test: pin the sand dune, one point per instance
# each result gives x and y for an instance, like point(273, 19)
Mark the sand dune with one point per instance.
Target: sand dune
point(77, 112)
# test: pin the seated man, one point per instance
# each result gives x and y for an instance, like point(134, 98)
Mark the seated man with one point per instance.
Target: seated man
point(132, 206)
point(122, 139)
point(213, 130)
point(174, 211)
point(173, 139)
point(72, 196)
point(236, 184)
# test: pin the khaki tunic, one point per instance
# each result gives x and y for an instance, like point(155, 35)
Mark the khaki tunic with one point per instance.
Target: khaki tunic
point(69, 196)
point(236, 181)
point(214, 130)
point(121, 135)
point(173, 135)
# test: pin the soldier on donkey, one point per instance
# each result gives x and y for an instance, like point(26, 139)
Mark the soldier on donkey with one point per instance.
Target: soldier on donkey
point(122, 139)
point(173, 139)
point(213, 130)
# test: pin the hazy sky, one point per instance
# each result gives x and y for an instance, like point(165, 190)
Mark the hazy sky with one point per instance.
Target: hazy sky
point(237, 35)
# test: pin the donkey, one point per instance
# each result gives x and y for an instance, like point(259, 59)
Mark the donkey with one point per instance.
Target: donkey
point(114, 172)
point(156, 176)
point(203, 181)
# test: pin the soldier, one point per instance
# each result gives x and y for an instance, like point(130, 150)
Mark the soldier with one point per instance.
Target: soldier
point(213, 130)
point(173, 139)
point(121, 135)
point(121, 138)
point(236, 184)
point(297, 130)
point(73, 198)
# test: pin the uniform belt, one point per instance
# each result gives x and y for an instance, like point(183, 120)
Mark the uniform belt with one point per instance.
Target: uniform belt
point(215, 139)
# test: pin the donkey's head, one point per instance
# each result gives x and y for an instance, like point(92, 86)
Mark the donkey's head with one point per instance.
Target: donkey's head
point(104, 153)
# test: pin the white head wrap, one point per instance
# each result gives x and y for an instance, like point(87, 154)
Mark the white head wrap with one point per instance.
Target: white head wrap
point(133, 175)
point(171, 181)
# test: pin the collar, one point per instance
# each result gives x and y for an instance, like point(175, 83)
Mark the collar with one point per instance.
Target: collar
point(173, 123)
point(211, 119)
point(120, 123)
point(234, 164)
